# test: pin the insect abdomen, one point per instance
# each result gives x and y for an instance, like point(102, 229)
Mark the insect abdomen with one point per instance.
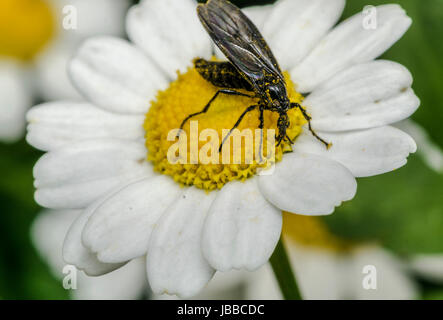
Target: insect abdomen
point(221, 74)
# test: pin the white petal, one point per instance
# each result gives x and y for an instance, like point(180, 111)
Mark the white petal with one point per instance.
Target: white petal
point(225, 286)
point(258, 14)
point(115, 75)
point(98, 17)
point(364, 96)
point(428, 266)
point(308, 184)
point(350, 43)
point(56, 124)
point(76, 175)
point(51, 73)
point(48, 231)
point(242, 228)
point(169, 32)
point(322, 273)
point(262, 285)
point(365, 153)
point(175, 261)
point(294, 27)
point(126, 283)
point(392, 279)
point(431, 153)
point(15, 99)
point(75, 253)
point(121, 227)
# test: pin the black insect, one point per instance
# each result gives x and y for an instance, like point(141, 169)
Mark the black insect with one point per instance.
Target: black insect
point(252, 66)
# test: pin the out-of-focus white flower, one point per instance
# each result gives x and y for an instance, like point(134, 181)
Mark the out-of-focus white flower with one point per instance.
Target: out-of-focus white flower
point(35, 48)
point(431, 153)
point(428, 266)
point(328, 267)
point(128, 282)
point(48, 233)
point(15, 99)
point(97, 151)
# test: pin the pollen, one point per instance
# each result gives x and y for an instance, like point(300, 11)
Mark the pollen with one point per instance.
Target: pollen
point(312, 232)
point(26, 26)
point(189, 94)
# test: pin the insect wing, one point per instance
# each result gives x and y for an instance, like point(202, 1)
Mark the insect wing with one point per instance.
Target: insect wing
point(239, 39)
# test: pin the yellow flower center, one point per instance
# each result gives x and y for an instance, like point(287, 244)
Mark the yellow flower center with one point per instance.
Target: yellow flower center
point(312, 232)
point(26, 26)
point(189, 94)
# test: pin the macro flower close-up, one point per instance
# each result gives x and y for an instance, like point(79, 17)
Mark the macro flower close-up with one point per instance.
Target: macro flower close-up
point(178, 150)
point(108, 156)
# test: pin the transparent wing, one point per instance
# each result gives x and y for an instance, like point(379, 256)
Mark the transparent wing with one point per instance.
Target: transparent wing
point(240, 41)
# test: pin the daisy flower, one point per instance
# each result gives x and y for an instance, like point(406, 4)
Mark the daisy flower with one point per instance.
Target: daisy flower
point(34, 50)
point(108, 156)
point(327, 267)
point(126, 283)
point(330, 268)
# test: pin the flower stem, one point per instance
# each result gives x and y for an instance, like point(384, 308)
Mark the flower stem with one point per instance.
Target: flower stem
point(284, 274)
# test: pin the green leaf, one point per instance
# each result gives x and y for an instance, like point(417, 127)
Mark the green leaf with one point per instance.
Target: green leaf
point(23, 275)
point(433, 295)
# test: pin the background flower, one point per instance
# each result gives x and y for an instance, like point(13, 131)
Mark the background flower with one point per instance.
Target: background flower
point(416, 212)
point(35, 47)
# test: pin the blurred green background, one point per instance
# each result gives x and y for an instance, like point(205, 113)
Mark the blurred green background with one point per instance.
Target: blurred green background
point(402, 210)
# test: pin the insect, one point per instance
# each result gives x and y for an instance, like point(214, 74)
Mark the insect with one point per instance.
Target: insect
point(251, 66)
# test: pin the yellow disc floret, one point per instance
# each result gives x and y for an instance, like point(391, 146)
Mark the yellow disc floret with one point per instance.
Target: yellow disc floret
point(26, 26)
point(189, 94)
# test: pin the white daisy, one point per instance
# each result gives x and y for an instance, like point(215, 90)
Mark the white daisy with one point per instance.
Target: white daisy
point(428, 266)
point(324, 269)
point(129, 282)
point(97, 150)
point(328, 267)
point(328, 275)
point(35, 48)
point(429, 151)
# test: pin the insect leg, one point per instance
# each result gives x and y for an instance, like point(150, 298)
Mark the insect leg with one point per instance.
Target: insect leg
point(282, 125)
point(249, 109)
point(206, 108)
point(289, 139)
point(261, 126)
point(308, 118)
